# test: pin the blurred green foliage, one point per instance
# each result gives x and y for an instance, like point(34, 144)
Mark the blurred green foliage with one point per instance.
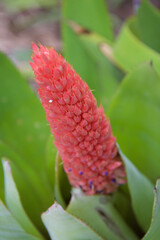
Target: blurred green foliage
point(20, 5)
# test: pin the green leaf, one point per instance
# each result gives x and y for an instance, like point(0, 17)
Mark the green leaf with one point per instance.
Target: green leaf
point(10, 229)
point(148, 23)
point(154, 230)
point(135, 115)
point(107, 76)
point(99, 213)
point(20, 5)
point(129, 51)
point(82, 48)
point(14, 203)
point(1, 181)
point(62, 186)
point(122, 203)
point(25, 183)
point(91, 15)
point(84, 53)
point(141, 191)
point(23, 130)
point(63, 226)
point(51, 152)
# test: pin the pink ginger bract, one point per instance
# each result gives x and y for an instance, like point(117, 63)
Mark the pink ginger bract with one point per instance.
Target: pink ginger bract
point(81, 131)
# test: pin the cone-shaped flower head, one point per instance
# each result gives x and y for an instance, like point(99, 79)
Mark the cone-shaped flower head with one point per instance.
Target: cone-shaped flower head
point(81, 131)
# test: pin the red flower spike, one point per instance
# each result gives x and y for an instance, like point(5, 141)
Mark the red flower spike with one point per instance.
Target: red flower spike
point(81, 131)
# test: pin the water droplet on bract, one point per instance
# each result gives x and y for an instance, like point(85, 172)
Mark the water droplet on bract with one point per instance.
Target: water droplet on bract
point(50, 101)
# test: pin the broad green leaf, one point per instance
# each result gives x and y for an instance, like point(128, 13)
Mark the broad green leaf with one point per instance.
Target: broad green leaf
point(91, 15)
point(107, 76)
point(63, 226)
point(1, 181)
point(56, 174)
point(23, 129)
point(19, 5)
point(148, 18)
point(100, 214)
point(141, 190)
point(19, 167)
point(51, 152)
point(82, 47)
point(10, 228)
point(62, 186)
point(135, 115)
point(14, 203)
point(122, 202)
point(154, 230)
point(84, 53)
point(129, 51)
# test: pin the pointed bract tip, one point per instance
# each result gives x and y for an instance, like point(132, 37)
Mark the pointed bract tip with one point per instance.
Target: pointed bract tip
point(35, 48)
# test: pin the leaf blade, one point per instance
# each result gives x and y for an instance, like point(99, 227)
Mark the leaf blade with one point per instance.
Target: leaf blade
point(100, 214)
point(62, 187)
point(154, 230)
point(128, 45)
point(23, 129)
point(9, 228)
point(148, 18)
point(134, 114)
point(14, 203)
point(95, 16)
point(141, 190)
point(63, 226)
